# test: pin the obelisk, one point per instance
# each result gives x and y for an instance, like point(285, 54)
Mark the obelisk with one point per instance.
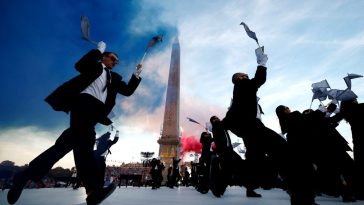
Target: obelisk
point(169, 140)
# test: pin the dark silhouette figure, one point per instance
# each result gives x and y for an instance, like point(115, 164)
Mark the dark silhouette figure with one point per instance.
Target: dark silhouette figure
point(329, 151)
point(206, 140)
point(301, 170)
point(170, 182)
point(186, 178)
point(156, 170)
point(241, 119)
point(194, 181)
point(227, 167)
point(173, 174)
point(75, 181)
point(202, 169)
point(353, 113)
point(103, 145)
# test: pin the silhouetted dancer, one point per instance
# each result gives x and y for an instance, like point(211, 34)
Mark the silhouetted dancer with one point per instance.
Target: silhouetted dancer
point(353, 112)
point(241, 119)
point(103, 145)
point(173, 174)
point(201, 171)
point(301, 170)
point(156, 170)
point(329, 150)
point(230, 168)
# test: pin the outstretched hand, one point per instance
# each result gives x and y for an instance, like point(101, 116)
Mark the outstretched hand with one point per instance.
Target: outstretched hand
point(138, 69)
point(262, 58)
point(101, 46)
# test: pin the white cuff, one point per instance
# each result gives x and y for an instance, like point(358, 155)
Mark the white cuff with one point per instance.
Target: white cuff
point(136, 74)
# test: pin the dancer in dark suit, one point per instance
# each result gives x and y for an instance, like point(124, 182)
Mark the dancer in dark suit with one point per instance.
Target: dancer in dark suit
point(88, 98)
point(353, 113)
point(230, 168)
point(334, 166)
point(301, 170)
point(203, 166)
point(241, 119)
point(103, 145)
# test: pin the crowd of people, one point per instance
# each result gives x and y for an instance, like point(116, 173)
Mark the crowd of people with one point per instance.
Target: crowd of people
point(311, 160)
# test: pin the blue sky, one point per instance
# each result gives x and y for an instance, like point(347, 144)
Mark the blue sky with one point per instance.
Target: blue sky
point(306, 42)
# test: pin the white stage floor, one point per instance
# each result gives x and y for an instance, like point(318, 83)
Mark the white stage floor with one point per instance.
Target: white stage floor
point(162, 196)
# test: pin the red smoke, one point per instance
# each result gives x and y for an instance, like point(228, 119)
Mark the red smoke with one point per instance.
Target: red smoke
point(190, 143)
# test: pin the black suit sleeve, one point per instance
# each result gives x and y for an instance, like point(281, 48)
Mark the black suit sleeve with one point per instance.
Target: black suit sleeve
point(260, 76)
point(88, 61)
point(127, 89)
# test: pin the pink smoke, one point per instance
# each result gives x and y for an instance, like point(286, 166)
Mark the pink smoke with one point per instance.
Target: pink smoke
point(190, 144)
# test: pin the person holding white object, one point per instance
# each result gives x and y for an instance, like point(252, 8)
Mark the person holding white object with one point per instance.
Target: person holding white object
point(89, 98)
point(241, 119)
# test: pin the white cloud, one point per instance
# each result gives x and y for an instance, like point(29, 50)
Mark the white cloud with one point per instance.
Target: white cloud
point(23, 144)
point(214, 46)
point(301, 40)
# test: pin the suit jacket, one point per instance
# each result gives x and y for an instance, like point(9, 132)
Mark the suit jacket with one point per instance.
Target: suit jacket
point(90, 68)
point(244, 103)
point(222, 139)
point(104, 144)
point(354, 116)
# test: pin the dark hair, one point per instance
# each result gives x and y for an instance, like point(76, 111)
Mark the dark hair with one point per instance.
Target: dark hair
point(107, 53)
point(235, 79)
point(307, 111)
point(205, 136)
point(213, 118)
point(332, 107)
point(282, 117)
point(280, 110)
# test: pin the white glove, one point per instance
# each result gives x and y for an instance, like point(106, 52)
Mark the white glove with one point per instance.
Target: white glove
point(117, 133)
point(262, 58)
point(138, 70)
point(101, 46)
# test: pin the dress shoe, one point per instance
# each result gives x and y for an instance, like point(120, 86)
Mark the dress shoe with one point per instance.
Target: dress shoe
point(252, 193)
point(19, 181)
point(348, 198)
point(98, 196)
